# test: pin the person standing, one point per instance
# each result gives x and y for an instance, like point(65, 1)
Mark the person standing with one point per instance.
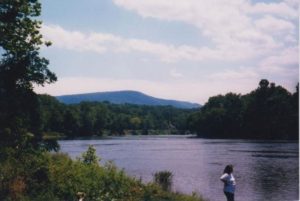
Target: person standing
point(229, 182)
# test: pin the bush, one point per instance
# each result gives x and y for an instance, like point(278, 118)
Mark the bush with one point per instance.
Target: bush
point(164, 179)
point(24, 174)
point(90, 157)
point(44, 176)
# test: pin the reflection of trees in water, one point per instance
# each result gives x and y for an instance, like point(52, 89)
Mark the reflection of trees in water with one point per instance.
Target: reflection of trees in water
point(275, 178)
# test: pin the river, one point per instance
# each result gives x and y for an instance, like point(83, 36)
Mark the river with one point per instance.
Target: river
point(264, 170)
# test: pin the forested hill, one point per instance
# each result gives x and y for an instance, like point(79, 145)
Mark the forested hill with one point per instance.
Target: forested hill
point(121, 97)
point(104, 118)
point(268, 112)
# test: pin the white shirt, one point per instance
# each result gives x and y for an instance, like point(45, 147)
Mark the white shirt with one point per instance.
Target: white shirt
point(229, 182)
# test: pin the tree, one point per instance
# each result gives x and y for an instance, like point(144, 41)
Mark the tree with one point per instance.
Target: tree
point(135, 122)
point(220, 117)
point(90, 157)
point(21, 66)
point(88, 119)
point(264, 83)
point(295, 114)
point(268, 112)
point(71, 122)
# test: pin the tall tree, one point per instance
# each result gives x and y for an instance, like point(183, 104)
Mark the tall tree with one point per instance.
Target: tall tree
point(21, 66)
point(269, 112)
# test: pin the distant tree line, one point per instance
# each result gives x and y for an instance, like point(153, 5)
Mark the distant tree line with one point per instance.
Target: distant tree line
point(98, 118)
point(268, 112)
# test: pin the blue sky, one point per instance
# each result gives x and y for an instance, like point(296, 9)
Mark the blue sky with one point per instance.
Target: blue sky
point(185, 50)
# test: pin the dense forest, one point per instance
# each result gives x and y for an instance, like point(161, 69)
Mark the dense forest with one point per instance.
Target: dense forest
point(268, 112)
point(104, 118)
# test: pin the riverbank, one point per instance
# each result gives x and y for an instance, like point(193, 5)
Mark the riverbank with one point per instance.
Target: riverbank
point(197, 164)
point(127, 133)
point(48, 176)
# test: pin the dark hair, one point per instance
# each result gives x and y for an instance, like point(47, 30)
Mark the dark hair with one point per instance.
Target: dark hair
point(228, 169)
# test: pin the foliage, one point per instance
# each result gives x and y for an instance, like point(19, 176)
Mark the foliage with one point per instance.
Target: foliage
point(24, 175)
point(268, 112)
point(54, 176)
point(89, 157)
point(95, 118)
point(21, 66)
point(164, 180)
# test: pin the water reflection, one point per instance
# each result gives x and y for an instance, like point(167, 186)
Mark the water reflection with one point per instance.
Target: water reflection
point(275, 172)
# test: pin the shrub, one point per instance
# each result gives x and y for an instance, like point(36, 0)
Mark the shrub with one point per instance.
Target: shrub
point(44, 176)
point(164, 179)
point(90, 157)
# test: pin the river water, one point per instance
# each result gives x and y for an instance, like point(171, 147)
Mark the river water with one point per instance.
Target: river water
point(264, 170)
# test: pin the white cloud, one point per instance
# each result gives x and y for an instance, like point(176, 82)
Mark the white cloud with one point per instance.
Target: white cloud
point(292, 3)
point(274, 25)
point(286, 63)
point(175, 74)
point(240, 74)
point(103, 42)
point(289, 56)
point(274, 70)
point(78, 41)
point(290, 39)
point(239, 29)
point(230, 24)
point(287, 9)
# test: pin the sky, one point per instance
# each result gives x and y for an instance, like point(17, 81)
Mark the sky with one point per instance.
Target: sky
point(185, 50)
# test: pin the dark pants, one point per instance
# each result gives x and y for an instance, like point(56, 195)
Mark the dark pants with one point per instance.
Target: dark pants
point(229, 196)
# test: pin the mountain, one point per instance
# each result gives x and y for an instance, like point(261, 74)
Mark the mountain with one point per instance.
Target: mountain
point(121, 97)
